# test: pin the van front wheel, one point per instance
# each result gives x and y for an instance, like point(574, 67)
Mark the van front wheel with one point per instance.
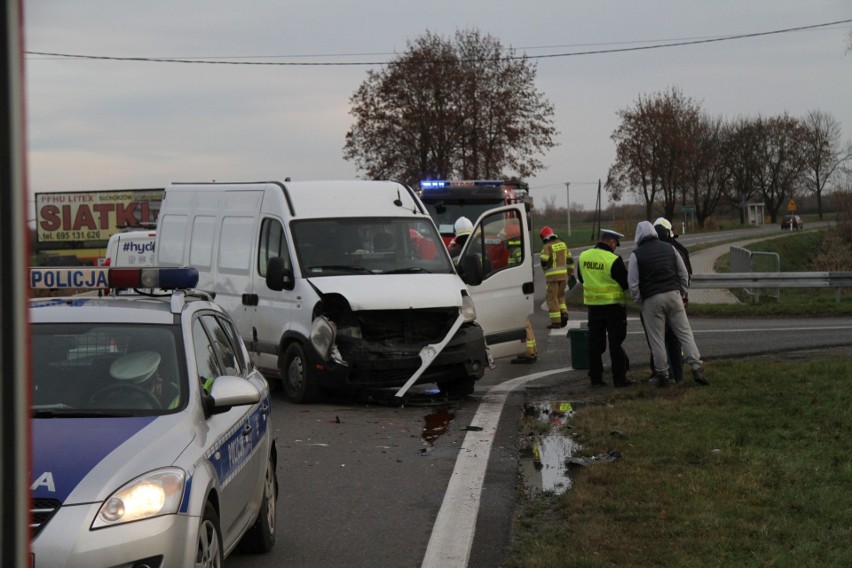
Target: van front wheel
point(295, 377)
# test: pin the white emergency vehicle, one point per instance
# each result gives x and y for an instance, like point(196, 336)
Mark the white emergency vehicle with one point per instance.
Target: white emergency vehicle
point(130, 248)
point(151, 436)
point(347, 283)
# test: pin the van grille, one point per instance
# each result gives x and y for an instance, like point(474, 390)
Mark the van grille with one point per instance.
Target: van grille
point(409, 328)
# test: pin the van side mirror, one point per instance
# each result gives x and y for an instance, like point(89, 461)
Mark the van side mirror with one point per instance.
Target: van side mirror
point(470, 269)
point(278, 275)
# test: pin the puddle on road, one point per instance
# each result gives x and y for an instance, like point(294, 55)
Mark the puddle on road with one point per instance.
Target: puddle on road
point(436, 424)
point(546, 449)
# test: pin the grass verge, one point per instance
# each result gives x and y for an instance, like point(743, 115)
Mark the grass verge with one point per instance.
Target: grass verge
point(755, 470)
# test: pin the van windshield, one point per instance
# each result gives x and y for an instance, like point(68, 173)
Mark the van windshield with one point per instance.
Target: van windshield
point(371, 245)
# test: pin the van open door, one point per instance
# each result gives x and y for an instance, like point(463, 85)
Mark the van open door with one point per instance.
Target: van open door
point(496, 263)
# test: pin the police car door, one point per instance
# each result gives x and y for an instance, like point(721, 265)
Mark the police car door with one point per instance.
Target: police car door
point(238, 432)
point(504, 298)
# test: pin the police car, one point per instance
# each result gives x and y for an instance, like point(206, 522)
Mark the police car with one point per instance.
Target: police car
point(151, 437)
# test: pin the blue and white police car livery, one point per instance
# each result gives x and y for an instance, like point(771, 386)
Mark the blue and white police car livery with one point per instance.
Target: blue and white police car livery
point(151, 437)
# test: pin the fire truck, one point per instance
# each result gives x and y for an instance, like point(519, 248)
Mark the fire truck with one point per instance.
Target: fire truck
point(447, 200)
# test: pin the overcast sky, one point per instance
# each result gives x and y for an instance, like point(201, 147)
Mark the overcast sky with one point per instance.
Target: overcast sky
point(104, 124)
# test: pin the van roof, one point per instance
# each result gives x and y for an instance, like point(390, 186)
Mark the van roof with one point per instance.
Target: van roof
point(336, 198)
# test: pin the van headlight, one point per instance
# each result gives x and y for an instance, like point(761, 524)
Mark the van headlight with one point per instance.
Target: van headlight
point(468, 309)
point(323, 333)
point(151, 495)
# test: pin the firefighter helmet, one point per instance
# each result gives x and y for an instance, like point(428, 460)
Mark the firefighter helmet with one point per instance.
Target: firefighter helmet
point(546, 233)
point(463, 226)
point(665, 224)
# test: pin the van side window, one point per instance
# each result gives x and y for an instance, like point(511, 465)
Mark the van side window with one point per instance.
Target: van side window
point(234, 241)
point(172, 231)
point(201, 244)
point(272, 243)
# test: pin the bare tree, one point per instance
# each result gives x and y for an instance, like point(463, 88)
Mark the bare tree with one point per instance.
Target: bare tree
point(465, 108)
point(779, 159)
point(653, 143)
point(706, 176)
point(824, 154)
point(740, 157)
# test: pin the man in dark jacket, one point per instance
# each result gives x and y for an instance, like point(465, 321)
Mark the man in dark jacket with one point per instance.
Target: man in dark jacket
point(658, 280)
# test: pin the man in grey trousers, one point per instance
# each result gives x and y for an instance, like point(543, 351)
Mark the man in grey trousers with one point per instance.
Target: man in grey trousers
point(658, 281)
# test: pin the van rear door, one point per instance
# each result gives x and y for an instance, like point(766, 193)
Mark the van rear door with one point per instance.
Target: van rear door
point(504, 299)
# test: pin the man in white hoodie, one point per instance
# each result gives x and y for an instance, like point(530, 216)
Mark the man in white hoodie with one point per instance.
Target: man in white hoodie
point(658, 280)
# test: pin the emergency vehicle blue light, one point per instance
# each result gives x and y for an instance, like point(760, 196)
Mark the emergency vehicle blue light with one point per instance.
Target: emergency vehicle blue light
point(163, 278)
point(432, 184)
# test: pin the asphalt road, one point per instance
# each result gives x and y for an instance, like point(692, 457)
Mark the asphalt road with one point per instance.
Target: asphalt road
point(363, 481)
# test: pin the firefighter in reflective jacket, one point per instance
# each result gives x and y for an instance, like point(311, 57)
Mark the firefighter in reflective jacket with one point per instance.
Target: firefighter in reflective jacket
point(558, 265)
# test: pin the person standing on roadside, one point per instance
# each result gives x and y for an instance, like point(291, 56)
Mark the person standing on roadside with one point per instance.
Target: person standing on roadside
point(462, 229)
point(558, 265)
point(604, 279)
point(673, 348)
point(658, 280)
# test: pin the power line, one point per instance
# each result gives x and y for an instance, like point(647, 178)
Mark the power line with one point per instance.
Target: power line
point(224, 61)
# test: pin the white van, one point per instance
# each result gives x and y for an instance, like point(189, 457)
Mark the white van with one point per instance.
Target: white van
point(347, 283)
point(130, 248)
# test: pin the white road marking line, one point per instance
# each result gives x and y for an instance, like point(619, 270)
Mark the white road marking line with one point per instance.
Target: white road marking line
point(454, 528)
point(760, 329)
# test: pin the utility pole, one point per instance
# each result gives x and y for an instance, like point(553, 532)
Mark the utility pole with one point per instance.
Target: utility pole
point(568, 204)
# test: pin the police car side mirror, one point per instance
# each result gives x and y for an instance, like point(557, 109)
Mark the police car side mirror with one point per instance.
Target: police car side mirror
point(229, 391)
point(278, 276)
point(470, 269)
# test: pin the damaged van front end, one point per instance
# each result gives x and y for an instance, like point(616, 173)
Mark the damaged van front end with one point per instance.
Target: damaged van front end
point(375, 332)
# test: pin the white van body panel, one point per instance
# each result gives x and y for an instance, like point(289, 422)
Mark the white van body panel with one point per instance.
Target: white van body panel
point(504, 299)
point(383, 313)
point(389, 292)
point(131, 248)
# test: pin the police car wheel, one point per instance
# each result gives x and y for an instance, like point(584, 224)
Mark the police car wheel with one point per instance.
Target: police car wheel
point(123, 396)
point(261, 536)
point(209, 548)
point(294, 373)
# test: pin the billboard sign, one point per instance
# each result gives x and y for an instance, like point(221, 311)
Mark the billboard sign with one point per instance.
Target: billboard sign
point(63, 217)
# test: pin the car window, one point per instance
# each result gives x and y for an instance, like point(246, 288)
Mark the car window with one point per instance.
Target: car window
point(106, 366)
point(223, 339)
point(206, 359)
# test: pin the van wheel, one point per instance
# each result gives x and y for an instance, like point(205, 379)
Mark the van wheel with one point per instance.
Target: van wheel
point(295, 377)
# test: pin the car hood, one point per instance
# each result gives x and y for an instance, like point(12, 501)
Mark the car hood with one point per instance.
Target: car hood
point(84, 460)
point(394, 291)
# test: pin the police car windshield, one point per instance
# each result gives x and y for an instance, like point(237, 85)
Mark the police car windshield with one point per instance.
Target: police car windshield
point(105, 370)
point(374, 245)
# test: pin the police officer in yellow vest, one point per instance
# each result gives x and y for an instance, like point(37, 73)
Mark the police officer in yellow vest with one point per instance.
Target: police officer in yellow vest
point(558, 265)
point(604, 278)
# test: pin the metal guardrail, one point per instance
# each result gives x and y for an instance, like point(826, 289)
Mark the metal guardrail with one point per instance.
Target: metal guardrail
point(772, 280)
point(836, 280)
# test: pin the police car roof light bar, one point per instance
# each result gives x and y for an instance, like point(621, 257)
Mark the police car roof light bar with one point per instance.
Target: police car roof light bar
point(103, 278)
point(163, 278)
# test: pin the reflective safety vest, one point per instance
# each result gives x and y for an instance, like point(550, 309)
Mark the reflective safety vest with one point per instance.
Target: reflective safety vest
point(599, 288)
point(555, 258)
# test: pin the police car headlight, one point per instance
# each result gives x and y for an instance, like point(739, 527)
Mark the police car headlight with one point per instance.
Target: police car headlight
point(323, 334)
point(154, 494)
point(468, 309)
